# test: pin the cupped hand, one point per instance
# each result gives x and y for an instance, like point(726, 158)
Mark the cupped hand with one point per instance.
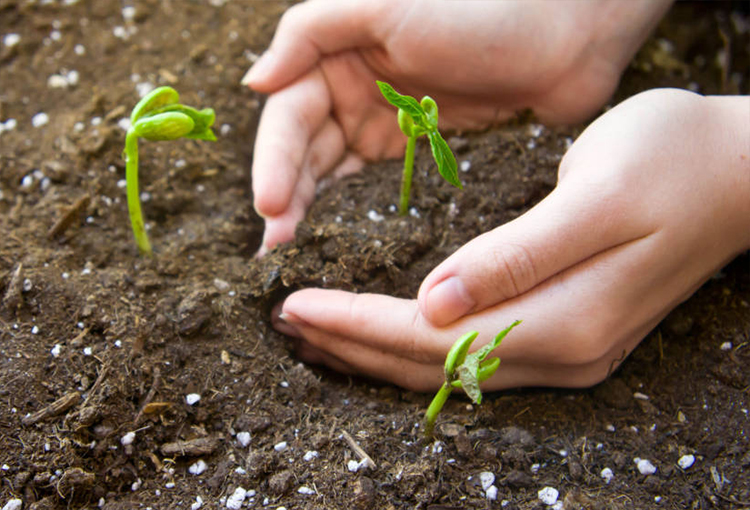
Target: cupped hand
point(652, 199)
point(481, 62)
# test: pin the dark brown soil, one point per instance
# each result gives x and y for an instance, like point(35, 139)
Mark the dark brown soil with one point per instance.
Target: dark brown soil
point(134, 337)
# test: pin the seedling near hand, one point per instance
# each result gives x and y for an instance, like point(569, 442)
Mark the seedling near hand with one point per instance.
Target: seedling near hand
point(158, 116)
point(416, 119)
point(464, 370)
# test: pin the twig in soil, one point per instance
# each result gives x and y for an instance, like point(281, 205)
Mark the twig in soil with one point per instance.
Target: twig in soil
point(150, 395)
point(57, 407)
point(192, 447)
point(96, 385)
point(13, 297)
point(69, 217)
point(363, 457)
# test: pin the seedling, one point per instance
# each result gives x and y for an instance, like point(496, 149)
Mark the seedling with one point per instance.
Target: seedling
point(416, 119)
point(158, 116)
point(464, 370)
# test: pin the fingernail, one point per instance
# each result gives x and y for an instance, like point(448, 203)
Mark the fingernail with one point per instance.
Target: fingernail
point(448, 300)
point(257, 71)
point(285, 322)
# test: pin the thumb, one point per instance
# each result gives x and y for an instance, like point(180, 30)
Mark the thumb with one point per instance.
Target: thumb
point(559, 232)
point(310, 30)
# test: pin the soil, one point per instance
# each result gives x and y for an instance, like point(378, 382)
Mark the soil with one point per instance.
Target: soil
point(97, 343)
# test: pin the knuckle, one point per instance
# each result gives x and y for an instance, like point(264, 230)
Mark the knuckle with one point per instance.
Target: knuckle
point(516, 270)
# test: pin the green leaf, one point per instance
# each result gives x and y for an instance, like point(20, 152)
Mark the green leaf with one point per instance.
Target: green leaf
point(206, 134)
point(406, 103)
point(457, 353)
point(468, 374)
point(164, 126)
point(446, 161)
point(406, 123)
point(431, 111)
point(487, 368)
point(482, 353)
point(152, 101)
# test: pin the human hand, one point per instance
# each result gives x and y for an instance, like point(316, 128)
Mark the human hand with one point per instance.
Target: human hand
point(653, 198)
point(481, 62)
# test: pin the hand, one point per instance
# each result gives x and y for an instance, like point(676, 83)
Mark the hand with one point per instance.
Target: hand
point(481, 62)
point(652, 199)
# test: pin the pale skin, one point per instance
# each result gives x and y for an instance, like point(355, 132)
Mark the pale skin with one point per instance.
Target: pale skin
point(652, 199)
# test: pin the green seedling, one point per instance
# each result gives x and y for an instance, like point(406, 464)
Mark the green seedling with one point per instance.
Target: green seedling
point(417, 118)
point(464, 370)
point(158, 116)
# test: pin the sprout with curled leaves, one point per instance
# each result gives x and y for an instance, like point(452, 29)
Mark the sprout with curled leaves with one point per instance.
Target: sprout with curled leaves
point(464, 370)
point(158, 116)
point(417, 118)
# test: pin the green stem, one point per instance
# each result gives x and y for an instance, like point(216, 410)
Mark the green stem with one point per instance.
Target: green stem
point(134, 199)
point(435, 407)
point(406, 178)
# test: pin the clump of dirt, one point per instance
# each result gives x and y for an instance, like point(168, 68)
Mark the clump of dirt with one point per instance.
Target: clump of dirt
point(132, 383)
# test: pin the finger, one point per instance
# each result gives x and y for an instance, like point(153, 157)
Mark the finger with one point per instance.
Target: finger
point(310, 30)
point(562, 230)
point(351, 357)
point(361, 316)
point(290, 120)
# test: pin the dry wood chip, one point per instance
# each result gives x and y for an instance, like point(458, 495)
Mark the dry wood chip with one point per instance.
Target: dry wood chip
point(59, 406)
point(191, 447)
point(72, 214)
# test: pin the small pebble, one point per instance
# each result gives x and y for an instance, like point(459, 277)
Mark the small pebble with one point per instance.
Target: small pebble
point(192, 399)
point(234, 502)
point(686, 461)
point(127, 439)
point(310, 455)
point(40, 119)
point(486, 478)
point(607, 475)
point(13, 504)
point(306, 491)
point(491, 493)
point(726, 346)
point(375, 216)
point(198, 467)
point(465, 165)
point(35, 330)
point(56, 350)
point(128, 13)
point(548, 495)
point(11, 40)
point(280, 447)
point(243, 438)
point(79, 49)
point(198, 503)
point(645, 467)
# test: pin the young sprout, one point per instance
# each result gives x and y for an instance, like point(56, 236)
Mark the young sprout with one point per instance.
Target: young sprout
point(158, 116)
point(416, 119)
point(464, 370)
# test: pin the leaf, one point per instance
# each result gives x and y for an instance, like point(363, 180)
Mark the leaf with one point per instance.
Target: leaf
point(406, 103)
point(483, 352)
point(154, 100)
point(206, 134)
point(164, 126)
point(468, 374)
point(457, 354)
point(446, 161)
